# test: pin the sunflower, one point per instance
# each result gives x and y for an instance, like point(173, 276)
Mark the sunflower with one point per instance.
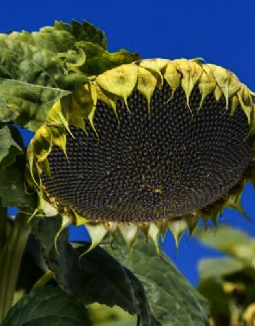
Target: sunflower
point(147, 146)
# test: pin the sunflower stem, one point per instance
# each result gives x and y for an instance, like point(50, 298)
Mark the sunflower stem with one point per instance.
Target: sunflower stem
point(13, 240)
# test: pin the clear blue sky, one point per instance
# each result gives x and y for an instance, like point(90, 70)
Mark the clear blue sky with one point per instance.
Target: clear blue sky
point(221, 32)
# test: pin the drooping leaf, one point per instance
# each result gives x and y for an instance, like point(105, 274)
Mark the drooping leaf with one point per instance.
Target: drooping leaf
point(47, 307)
point(173, 301)
point(158, 298)
point(91, 277)
point(145, 313)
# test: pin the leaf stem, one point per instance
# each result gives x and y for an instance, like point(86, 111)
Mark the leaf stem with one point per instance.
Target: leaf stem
point(11, 253)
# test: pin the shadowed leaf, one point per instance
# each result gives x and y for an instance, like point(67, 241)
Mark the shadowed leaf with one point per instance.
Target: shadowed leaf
point(12, 169)
point(47, 307)
point(9, 149)
point(156, 291)
point(91, 277)
point(218, 299)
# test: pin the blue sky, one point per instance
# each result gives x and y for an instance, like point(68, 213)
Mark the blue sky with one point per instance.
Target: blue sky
point(221, 32)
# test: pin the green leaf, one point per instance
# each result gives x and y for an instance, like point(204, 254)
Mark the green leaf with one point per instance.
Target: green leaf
point(228, 283)
point(27, 104)
point(12, 170)
point(33, 58)
point(37, 69)
point(224, 238)
point(215, 294)
point(47, 307)
point(98, 60)
point(91, 277)
point(218, 268)
point(158, 298)
point(9, 149)
point(231, 241)
point(102, 315)
point(173, 301)
point(12, 187)
point(84, 31)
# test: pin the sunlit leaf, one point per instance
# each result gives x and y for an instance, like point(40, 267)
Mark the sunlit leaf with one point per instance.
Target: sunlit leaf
point(231, 241)
point(223, 238)
point(217, 268)
point(102, 315)
point(37, 69)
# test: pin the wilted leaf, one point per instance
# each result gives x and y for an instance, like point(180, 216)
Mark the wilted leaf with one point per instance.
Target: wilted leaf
point(47, 307)
point(173, 301)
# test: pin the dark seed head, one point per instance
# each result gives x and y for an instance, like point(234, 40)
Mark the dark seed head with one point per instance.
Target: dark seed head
point(143, 166)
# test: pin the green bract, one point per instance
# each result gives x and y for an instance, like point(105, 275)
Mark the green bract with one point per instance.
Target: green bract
point(146, 146)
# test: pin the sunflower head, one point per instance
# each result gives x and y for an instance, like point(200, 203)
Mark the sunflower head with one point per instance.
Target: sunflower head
point(146, 146)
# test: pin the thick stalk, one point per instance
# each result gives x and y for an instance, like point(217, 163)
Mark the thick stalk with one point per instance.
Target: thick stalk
point(11, 253)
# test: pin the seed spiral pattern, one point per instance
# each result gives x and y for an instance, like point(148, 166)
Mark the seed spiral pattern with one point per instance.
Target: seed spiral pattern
point(143, 166)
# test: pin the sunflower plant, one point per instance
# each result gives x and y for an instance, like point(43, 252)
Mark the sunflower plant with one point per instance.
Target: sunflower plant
point(130, 148)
